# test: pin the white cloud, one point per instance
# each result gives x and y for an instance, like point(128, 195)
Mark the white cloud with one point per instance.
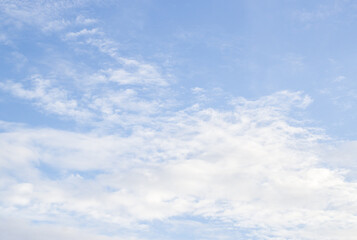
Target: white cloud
point(56, 25)
point(197, 90)
point(52, 99)
point(98, 102)
point(15, 228)
point(83, 32)
point(104, 45)
point(38, 12)
point(137, 94)
point(138, 73)
point(342, 155)
point(251, 167)
point(85, 21)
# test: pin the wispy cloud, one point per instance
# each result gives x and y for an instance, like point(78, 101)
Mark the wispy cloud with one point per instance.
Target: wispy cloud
point(85, 21)
point(46, 15)
point(139, 74)
point(321, 12)
point(4, 39)
point(51, 99)
point(119, 106)
point(82, 32)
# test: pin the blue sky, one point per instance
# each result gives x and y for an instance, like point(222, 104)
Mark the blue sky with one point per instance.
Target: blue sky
point(150, 119)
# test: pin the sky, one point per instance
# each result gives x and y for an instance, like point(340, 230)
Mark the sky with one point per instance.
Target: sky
point(172, 120)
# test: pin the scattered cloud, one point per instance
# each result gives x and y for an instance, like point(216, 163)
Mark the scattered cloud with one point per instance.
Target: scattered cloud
point(46, 15)
point(52, 99)
point(140, 96)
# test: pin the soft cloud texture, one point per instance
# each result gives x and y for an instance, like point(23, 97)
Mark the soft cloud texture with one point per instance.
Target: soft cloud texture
point(146, 157)
point(51, 99)
point(251, 166)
